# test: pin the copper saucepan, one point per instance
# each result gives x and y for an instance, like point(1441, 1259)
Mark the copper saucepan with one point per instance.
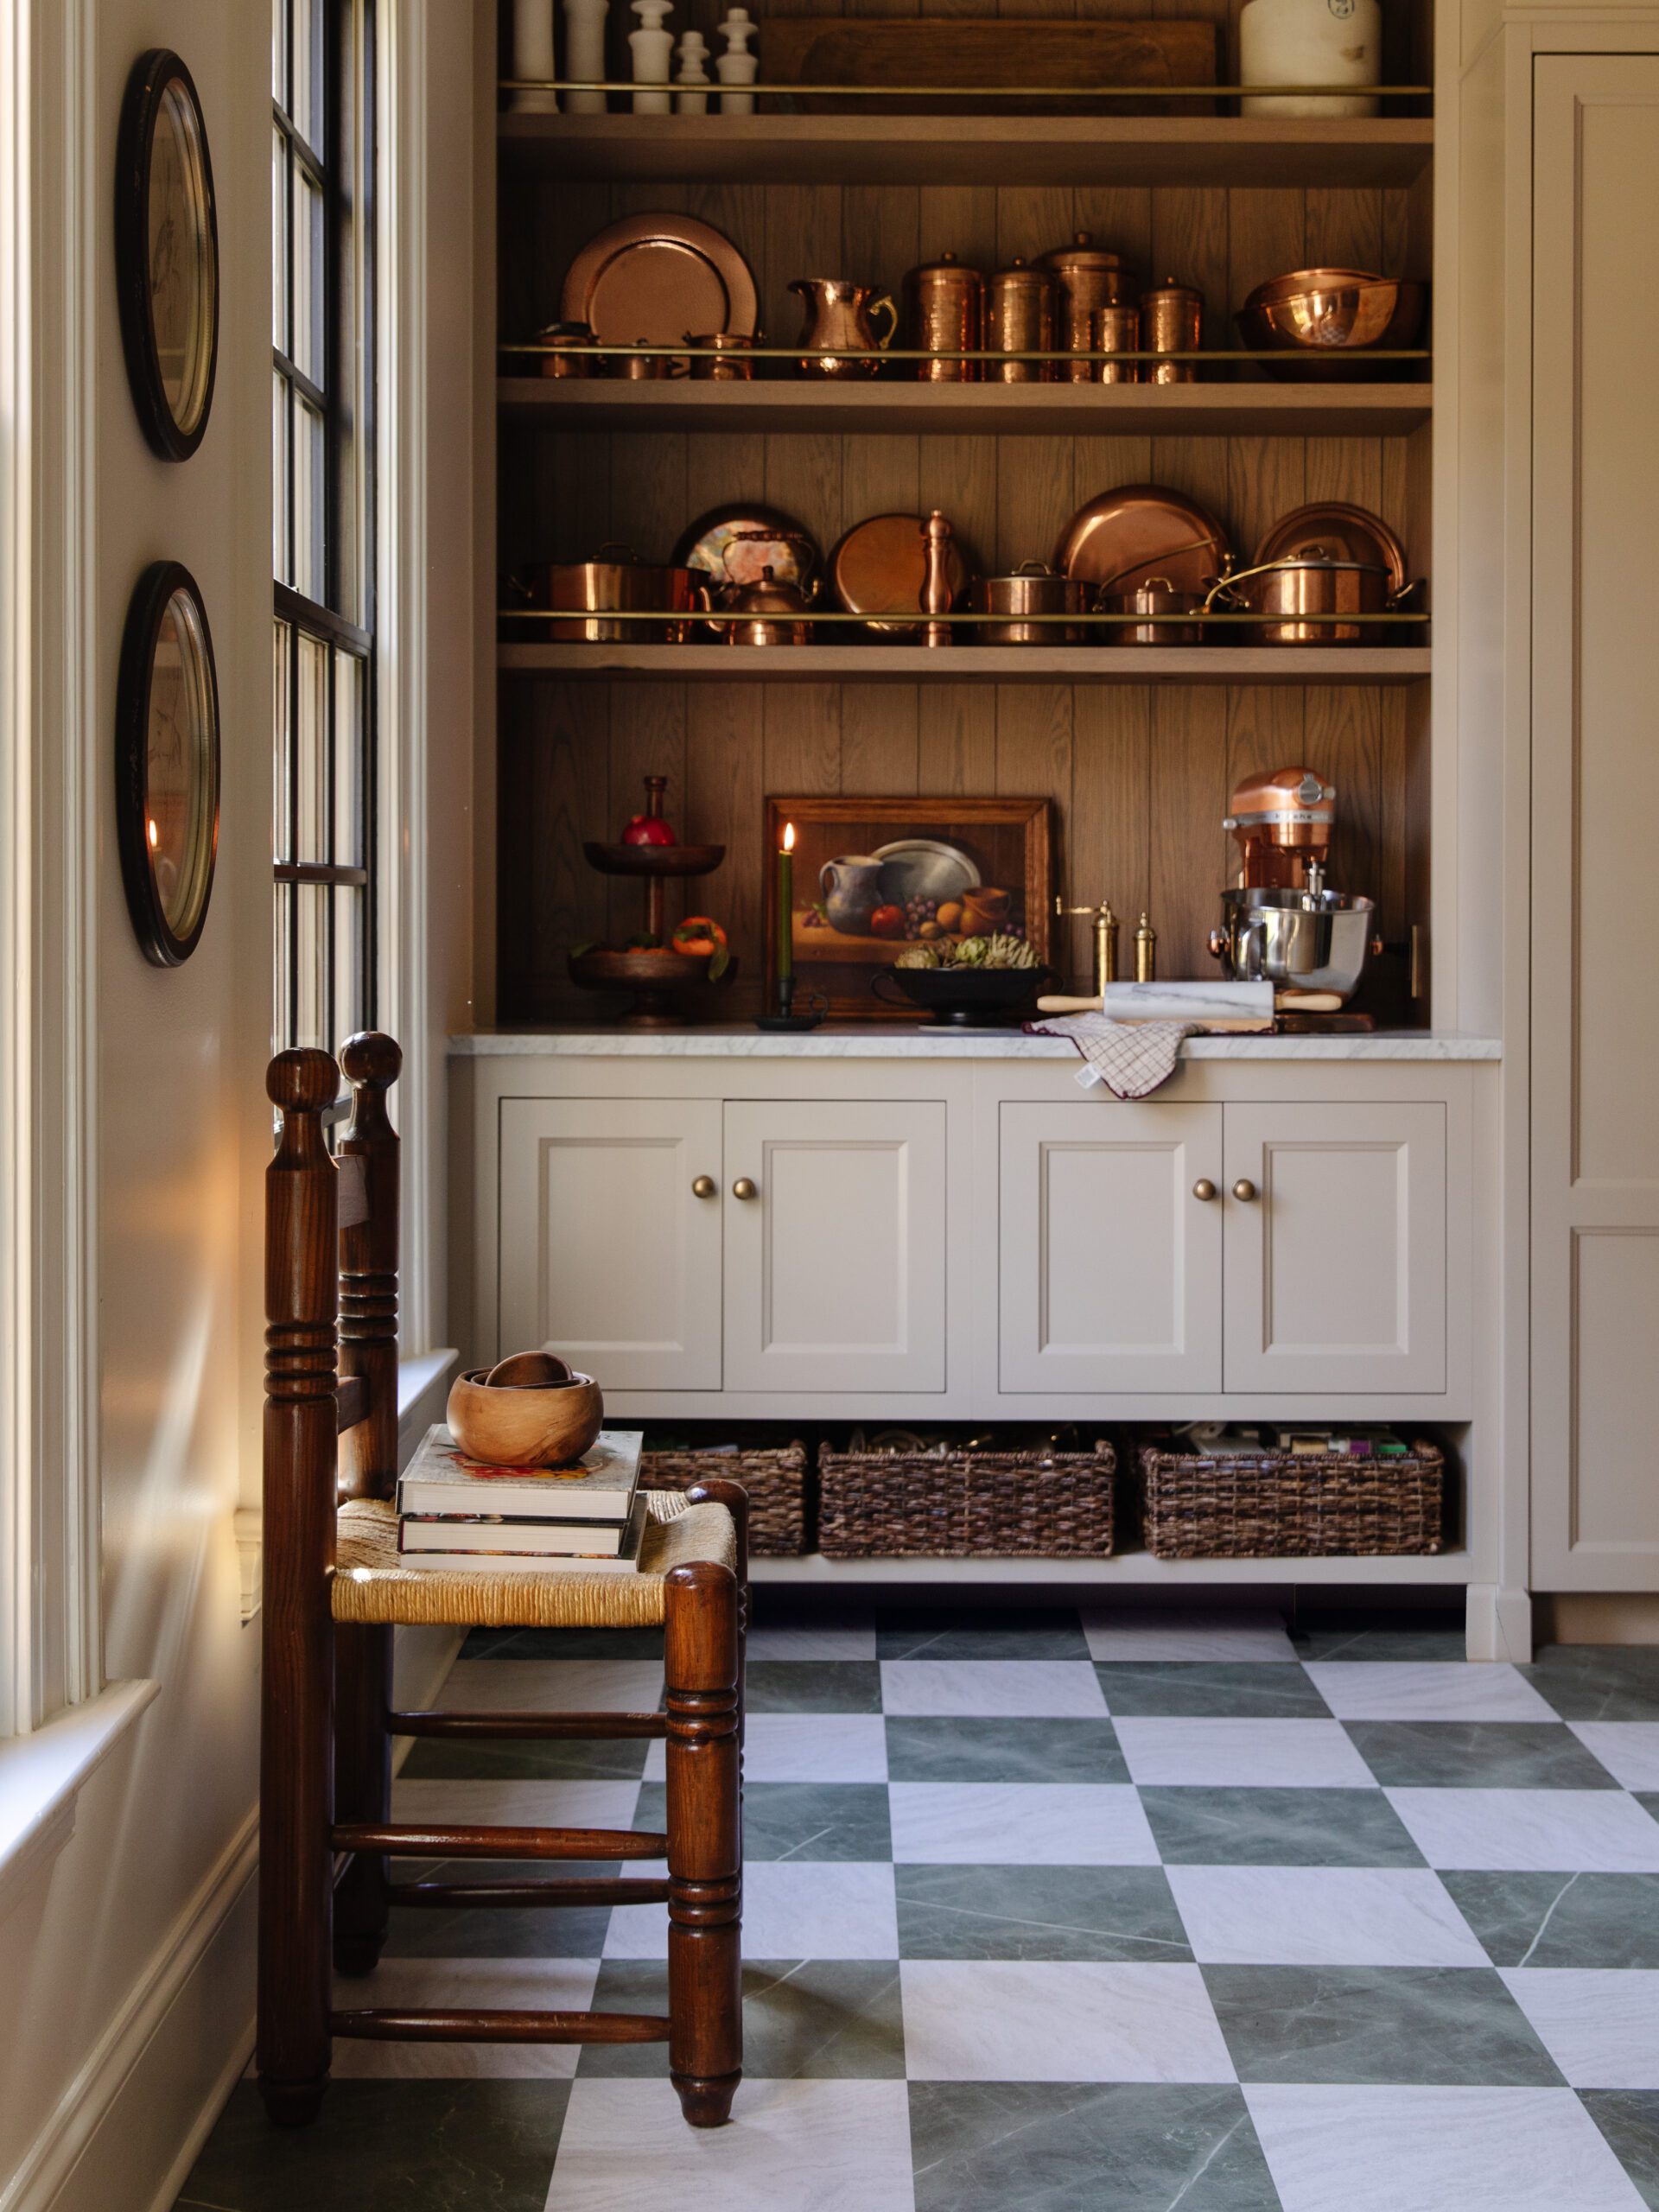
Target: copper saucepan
point(588, 590)
point(1307, 584)
point(1157, 595)
point(1033, 588)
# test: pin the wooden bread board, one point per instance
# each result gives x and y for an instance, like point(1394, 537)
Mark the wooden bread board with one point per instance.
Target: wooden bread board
point(968, 53)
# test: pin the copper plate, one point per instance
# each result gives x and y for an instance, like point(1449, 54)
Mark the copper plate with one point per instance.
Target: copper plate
point(713, 545)
point(1125, 537)
point(1344, 532)
point(880, 566)
point(656, 276)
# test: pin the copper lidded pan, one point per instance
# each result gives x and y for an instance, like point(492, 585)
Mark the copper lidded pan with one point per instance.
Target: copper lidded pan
point(1123, 538)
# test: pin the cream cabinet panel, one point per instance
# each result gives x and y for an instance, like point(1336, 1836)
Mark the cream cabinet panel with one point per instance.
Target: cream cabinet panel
point(1111, 1267)
point(607, 1251)
point(836, 1266)
point(1336, 1254)
point(1595, 798)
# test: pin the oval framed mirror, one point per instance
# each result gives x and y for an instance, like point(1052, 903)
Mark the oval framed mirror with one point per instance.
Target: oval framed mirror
point(167, 254)
point(166, 763)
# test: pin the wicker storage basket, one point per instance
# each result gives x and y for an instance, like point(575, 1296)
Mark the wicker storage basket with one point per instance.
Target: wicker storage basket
point(1291, 1505)
point(966, 1504)
point(774, 1476)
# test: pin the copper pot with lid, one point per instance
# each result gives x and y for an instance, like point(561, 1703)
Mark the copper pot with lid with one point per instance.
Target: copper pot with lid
point(1087, 278)
point(1033, 588)
point(944, 315)
point(1156, 595)
point(1019, 318)
point(1291, 593)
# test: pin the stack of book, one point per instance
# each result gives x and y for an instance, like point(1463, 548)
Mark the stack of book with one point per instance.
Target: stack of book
point(453, 1512)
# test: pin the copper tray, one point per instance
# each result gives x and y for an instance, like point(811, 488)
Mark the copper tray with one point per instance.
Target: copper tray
point(880, 566)
point(1122, 538)
point(1344, 532)
point(656, 276)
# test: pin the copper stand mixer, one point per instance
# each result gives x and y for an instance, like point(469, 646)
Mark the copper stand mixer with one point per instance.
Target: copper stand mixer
point(1279, 923)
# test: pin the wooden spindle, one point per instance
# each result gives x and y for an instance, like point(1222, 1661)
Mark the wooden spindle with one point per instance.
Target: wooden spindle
point(705, 1996)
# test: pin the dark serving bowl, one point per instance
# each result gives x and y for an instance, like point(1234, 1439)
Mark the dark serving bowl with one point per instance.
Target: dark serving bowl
point(965, 998)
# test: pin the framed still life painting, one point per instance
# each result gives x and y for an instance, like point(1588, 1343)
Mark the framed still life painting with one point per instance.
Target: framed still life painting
point(868, 880)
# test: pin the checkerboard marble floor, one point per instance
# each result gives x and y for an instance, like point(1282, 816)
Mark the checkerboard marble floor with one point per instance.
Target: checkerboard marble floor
point(1050, 1911)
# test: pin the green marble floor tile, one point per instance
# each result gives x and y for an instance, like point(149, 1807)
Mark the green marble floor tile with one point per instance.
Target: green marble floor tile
point(1039, 1913)
point(1379, 1635)
point(491, 1931)
point(435, 1758)
point(1630, 2120)
point(1598, 1681)
point(1201, 1689)
point(924, 1632)
point(1442, 2024)
point(799, 1820)
point(545, 1644)
point(1278, 1828)
point(1561, 1920)
point(811, 2017)
point(1477, 1755)
point(814, 1686)
point(964, 1748)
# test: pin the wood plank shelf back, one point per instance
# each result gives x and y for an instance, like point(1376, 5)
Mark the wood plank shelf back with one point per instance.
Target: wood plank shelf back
point(1231, 664)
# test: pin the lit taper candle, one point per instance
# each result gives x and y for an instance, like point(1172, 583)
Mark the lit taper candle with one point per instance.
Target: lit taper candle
point(786, 916)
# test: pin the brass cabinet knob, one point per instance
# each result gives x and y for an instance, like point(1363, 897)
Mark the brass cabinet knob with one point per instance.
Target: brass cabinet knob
point(1204, 1188)
point(744, 1189)
point(703, 1186)
point(1244, 1189)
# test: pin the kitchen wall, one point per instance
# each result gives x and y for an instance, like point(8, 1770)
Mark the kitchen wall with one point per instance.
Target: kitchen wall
point(129, 1973)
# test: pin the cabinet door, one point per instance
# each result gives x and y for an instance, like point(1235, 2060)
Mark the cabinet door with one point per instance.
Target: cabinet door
point(607, 1255)
point(835, 1267)
point(1111, 1266)
point(1336, 1267)
point(1595, 801)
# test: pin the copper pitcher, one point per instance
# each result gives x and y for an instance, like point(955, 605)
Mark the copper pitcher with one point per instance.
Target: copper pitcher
point(839, 321)
point(945, 313)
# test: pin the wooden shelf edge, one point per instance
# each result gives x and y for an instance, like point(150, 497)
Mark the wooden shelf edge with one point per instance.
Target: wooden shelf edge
point(886, 407)
point(714, 664)
point(814, 1570)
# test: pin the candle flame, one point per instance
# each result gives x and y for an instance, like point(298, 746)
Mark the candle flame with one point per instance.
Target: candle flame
point(155, 835)
point(789, 837)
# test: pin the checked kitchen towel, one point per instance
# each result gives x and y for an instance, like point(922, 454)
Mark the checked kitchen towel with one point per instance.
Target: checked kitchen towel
point(1131, 1058)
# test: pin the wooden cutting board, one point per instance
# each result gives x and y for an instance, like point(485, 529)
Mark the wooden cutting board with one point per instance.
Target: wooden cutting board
point(1003, 50)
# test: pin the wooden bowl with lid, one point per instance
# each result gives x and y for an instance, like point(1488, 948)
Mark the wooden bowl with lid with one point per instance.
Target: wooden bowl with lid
point(524, 1425)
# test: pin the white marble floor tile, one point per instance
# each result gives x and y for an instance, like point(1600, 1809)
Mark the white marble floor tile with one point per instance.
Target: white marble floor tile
point(1600, 2026)
point(1322, 1917)
point(1530, 1831)
point(978, 2020)
point(1627, 1749)
point(1436, 2150)
point(1404, 1689)
point(519, 1984)
point(804, 1747)
point(1243, 1754)
point(553, 1685)
point(1019, 1824)
point(1201, 1632)
point(793, 1908)
point(815, 1640)
point(1051, 1689)
point(551, 1804)
point(791, 2146)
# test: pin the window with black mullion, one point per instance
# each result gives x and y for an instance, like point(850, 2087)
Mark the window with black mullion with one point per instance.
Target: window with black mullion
point(322, 388)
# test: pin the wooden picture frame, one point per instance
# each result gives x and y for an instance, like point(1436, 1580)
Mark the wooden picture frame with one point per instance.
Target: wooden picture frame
point(167, 254)
point(1005, 844)
point(166, 763)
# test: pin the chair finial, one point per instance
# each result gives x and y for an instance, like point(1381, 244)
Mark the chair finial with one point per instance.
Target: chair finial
point(302, 1081)
point(372, 1057)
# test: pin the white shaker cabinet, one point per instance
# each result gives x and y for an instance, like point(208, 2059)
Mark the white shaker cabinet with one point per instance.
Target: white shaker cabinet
point(1595, 1355)
point(607, 1250)
point(1110, 1263)
point(835, 1262)
point(1335, 1240)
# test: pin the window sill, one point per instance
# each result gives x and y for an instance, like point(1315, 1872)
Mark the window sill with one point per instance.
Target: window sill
point(41, 1778)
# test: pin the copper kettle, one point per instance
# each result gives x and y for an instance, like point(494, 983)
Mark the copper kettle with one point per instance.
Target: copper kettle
point(770, 610)
point(838, 322)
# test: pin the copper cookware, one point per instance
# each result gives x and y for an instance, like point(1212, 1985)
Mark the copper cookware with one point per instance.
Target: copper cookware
point(1289, 591)
point(724, 358)
point(1172, 322)
point(771, 604)
point(1320, 324)
point(839, 321)
point(1345, 532)
point(944, 315)
point(879, 568)
point(1033, 588)
point(1087, 278)
point(562, 363)
point(587, 591)
point(1156, 597)
point(731, 545)
point(653, 277)
point(1123, 538)
point(1116, 330)
point(1019, 318)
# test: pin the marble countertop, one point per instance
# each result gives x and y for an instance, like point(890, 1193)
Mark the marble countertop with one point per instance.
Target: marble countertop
point(898, 1041)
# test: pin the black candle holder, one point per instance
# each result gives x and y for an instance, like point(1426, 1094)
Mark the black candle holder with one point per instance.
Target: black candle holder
point(784, 1016)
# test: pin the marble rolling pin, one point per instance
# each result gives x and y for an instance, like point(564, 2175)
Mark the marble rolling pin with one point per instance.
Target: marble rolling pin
point(1216, 1005)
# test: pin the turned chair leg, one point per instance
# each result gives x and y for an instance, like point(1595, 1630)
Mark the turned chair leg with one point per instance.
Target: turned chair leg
point(705, 1995)
point(362, 1789)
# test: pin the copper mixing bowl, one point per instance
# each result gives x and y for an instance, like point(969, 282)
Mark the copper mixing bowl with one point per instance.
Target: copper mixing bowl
point(1322, 323)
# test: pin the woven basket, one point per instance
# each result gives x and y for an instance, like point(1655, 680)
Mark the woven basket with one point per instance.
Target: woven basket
point(1291, 1505)
point(773, 1475)
point(963, 1504)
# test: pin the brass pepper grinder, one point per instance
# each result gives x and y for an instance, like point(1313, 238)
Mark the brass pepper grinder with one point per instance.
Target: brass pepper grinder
point(1105, 922)
point(1145, 952)
point(935, 578)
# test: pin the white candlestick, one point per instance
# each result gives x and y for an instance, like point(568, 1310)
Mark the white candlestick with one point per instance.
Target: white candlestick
point(737, 65)
point(1311, 42)
point(532, 53)
point(652, 49)
point(584, 49)
point(693, 54)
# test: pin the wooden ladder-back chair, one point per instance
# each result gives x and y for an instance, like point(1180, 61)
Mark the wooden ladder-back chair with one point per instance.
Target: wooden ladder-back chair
point(335, 1588)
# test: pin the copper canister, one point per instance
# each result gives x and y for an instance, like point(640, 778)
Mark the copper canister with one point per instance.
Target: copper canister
point(1087, 278)
point(1117, 330)
point(562, 362)
point(945, 304)
point(1019, 318)
point(1172, 322)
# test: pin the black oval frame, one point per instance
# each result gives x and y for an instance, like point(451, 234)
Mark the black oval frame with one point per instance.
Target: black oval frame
point(150, 76)
point(154, 588)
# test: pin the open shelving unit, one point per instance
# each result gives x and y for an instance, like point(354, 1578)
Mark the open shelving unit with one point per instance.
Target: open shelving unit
point(1279, 665)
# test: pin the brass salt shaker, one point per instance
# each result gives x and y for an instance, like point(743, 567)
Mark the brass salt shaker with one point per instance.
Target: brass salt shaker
point(1145, 952)
point(1019, 318)
point(1117, 330)
point(935, 579)
point(1172, 322)
point(946, 303)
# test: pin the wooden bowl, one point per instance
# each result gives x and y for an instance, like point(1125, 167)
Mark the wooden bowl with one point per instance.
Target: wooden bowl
point(516, 1426)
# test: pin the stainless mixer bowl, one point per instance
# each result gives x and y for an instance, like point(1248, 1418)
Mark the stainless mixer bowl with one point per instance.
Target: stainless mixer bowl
point(1295, 940)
